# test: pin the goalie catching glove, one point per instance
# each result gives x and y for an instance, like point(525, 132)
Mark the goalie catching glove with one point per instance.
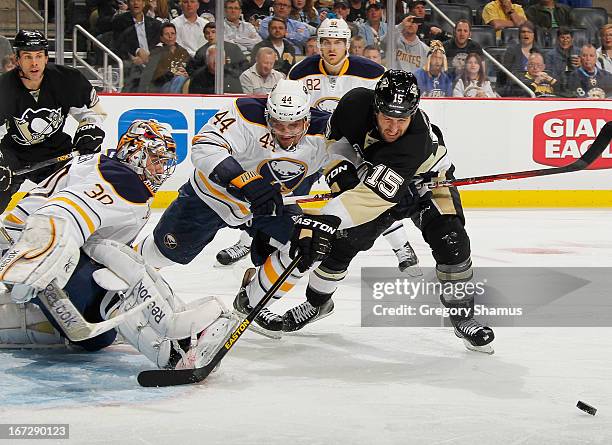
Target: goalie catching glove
point(265, 198)
point(88, 139)
point(312, 238)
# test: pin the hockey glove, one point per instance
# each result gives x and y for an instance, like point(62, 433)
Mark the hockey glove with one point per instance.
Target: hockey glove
point(88, 139)
point(6, 174)
point(265, 198)
point(342, 177)
point(312, 238)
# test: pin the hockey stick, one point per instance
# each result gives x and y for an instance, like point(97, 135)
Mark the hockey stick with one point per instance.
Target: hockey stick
point(172, 377)
point(588, 157)
point(42, 164)
point(71, 320)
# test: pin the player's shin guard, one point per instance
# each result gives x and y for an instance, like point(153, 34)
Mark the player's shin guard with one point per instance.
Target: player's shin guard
point(322, 283)
point(476, 336)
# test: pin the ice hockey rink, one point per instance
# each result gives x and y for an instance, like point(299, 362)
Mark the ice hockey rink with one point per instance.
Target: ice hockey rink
point(338, 383)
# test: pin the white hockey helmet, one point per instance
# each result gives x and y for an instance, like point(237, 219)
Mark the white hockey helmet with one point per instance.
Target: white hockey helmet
point(289, 101)
point(334, 29)
point(147, 147)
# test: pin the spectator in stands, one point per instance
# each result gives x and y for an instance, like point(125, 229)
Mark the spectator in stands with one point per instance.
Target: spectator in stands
point(372, 52)
point(548, 16)
point(297, 32)
point(588, 81)
point(311, 47)
point(190, 27)
point(171, 60)
point(459, 47)
point(374, 29)
point(516, 56)
point(261, 77)
point(203, 80)
point(134, 31)
point(536, 78)
point(473, 81)
point(411, 53)
point(8, 63)
point(433, 78)
point(235, 60)
point(255, 10)
point(502, 14)
point(604, 54)
point(277, 41)
point(5, 47)
point(238, 31)
point(357, 12)
point(206, 8)
point(358, 44)
point(162, 10)
point(566, 56)
point(304, 11)
point(427, 31)
point(342, 9)
point(139, 36)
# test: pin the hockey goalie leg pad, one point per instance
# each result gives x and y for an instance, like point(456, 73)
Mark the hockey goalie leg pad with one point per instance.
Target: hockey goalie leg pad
point(45, 252)
point(25, 326)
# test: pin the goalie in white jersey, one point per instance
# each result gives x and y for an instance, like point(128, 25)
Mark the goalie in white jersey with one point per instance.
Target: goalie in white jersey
point(71, 236)
point(246, 158)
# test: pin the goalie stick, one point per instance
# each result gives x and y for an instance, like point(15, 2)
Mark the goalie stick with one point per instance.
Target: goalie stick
point(173, 377)
point(588, 157)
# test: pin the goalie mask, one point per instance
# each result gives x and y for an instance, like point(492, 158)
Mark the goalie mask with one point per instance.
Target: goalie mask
point(147, 147)
point(288, 113)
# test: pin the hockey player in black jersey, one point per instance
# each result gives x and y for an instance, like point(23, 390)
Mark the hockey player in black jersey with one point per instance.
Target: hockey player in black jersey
point(36, 98)
point(394, 147)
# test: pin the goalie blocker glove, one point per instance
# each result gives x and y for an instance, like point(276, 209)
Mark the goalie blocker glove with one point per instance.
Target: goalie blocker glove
point(265, 198)
point(312, 238)
point(88, 139)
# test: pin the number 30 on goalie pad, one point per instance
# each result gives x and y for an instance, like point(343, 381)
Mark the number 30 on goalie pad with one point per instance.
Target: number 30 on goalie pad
point(45, 252)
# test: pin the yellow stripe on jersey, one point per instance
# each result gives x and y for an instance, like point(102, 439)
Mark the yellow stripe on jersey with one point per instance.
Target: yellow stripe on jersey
point(343, 70)
point(222, 195)
point(80, 211)
point(13, 219)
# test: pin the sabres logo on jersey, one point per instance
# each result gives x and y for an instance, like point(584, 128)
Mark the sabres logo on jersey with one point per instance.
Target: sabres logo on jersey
point(288, 173)
point(327, 104)
point(34, 126)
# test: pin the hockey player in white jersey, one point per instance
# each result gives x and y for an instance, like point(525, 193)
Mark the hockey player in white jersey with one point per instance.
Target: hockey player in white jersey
point(71, 239)
point(246, 158)
point(328, 77)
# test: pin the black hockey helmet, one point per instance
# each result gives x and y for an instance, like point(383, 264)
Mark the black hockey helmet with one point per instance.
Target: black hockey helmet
point(27, 40)
point(397, 94)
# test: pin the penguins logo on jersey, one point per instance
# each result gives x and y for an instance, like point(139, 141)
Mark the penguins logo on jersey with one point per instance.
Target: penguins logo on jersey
point(288, 173)
point(34, 126)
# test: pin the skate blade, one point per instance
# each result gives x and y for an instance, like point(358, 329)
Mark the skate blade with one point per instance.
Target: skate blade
point(486, 349)
point(254, 327)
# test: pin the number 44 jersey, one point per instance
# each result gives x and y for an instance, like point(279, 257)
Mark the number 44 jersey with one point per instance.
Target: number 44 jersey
point(240, 131)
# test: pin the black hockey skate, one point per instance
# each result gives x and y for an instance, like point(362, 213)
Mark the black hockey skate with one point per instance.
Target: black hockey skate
point(408, 261)
point(298, 317)
point(475, 336)
point(233, 254)
point(267, 323)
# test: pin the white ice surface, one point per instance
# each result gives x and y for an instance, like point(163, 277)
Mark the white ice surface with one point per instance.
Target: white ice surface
point(338, 383)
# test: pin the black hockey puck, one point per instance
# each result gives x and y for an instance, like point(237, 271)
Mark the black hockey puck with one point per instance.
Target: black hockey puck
point(586, 408)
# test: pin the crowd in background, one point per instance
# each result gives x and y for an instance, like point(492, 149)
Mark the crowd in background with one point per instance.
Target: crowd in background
point(169, 46)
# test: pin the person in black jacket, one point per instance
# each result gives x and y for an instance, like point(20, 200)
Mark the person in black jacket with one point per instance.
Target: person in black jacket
point(33, 110)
